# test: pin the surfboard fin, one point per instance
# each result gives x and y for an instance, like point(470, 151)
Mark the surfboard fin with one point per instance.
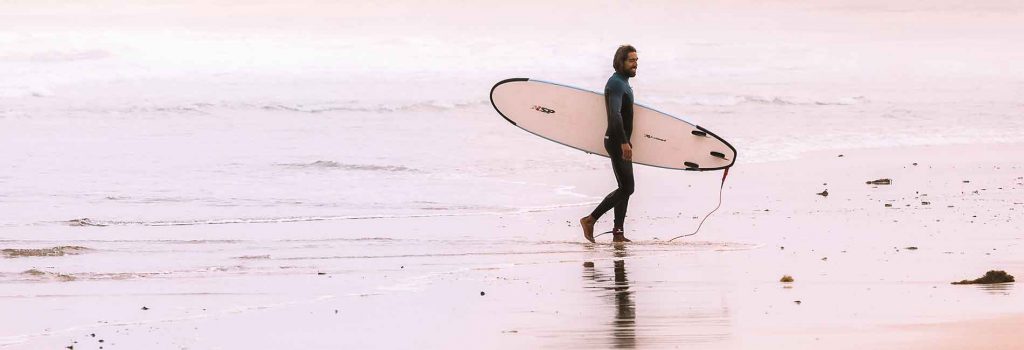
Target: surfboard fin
point(718, 154)
point(699, 133)
point(691, 165)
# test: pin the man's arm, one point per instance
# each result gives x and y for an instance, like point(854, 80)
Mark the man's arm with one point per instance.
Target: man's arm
point(613, 94)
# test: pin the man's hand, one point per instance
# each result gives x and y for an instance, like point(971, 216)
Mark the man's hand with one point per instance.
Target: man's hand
point(627, 152)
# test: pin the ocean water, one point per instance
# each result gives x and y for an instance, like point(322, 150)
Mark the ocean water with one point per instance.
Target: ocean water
point(179, 113)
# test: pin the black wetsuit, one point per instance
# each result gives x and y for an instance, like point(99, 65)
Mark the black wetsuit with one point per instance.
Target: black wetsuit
point(618, 100)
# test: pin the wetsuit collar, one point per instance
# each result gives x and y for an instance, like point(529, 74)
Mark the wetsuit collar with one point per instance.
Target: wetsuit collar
point(623, 76)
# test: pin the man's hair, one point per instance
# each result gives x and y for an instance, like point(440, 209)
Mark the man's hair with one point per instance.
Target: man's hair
point(621, 55)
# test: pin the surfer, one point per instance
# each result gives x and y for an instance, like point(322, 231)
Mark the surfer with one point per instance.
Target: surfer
point(618, 100)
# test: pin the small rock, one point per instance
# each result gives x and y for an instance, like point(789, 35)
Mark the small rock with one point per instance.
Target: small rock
point(321, 273)
point(840, 156)
point(482, 293)
point(797, 302)
point(888, 205)
point(926, 203)
point(588, 264)
point(911, 248)
point(823, 193)
point(143, 309)
point(786, 279)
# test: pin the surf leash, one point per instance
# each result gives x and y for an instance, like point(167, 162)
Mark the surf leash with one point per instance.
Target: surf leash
point(725, 174)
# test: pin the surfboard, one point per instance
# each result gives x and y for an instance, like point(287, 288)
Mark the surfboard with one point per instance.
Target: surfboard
point(577, 118)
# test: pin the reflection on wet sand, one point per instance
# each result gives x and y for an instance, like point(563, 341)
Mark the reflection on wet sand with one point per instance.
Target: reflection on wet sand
point(623, 331)
point(997, 288)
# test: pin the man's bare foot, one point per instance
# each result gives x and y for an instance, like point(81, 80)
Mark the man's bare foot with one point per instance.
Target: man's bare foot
point(619, 236)
point(588, 227)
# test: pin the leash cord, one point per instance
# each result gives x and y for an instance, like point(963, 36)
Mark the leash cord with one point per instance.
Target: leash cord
point(720, 189)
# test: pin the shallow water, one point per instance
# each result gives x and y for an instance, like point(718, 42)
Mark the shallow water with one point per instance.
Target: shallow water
point(189, 112)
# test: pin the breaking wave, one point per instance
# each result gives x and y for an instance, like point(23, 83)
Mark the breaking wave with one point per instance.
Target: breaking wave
point(207, 107)
point(57, 56)
point(735, 100)
point(362, 107)
point(23, 92)
point(328, 164)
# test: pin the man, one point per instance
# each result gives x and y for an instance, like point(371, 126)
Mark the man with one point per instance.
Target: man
point(618, 99)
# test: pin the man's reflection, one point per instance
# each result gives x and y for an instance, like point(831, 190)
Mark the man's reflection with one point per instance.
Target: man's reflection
point(623, 330)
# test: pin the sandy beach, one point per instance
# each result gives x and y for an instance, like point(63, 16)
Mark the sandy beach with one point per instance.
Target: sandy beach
point(527, 280)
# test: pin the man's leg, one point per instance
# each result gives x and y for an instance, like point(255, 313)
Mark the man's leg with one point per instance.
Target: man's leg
point(624, 174)
point(612, 199)
point(608, 203)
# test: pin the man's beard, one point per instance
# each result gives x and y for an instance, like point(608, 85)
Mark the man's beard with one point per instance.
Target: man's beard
point(631, 73)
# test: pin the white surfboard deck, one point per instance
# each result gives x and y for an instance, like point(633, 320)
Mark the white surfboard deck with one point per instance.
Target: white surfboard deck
point(577, 118)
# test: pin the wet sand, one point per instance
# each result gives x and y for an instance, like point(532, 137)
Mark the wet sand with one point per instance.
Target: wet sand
point(527, 280)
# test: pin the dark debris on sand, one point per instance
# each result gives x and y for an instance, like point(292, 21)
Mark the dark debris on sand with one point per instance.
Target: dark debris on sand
point(990, 277)
point(880, 182)
point(84, 222)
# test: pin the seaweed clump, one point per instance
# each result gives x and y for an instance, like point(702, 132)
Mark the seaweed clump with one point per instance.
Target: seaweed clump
point(990, 277)
point(55, 251)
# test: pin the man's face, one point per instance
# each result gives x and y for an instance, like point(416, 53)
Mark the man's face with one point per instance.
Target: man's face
point(631, 64)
